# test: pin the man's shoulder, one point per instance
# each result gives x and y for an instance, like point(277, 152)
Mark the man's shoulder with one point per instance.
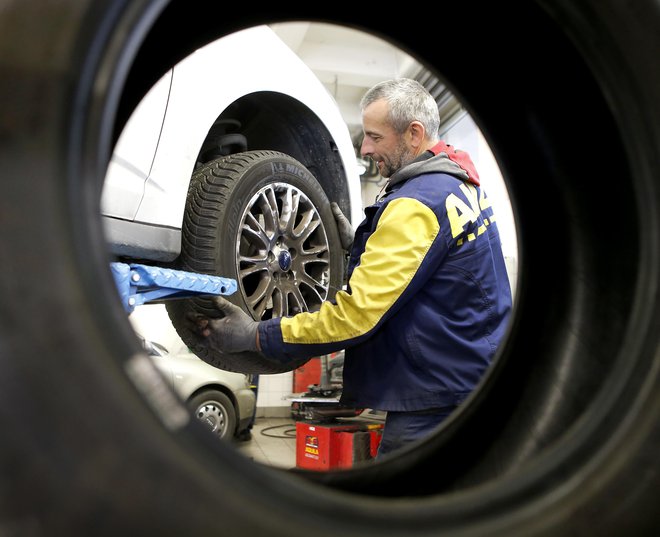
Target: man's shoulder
point(430, 188)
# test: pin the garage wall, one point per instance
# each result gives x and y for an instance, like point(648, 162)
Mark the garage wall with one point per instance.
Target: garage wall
point(272, 396)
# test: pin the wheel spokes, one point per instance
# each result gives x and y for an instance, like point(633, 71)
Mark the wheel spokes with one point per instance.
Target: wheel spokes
point(282, 253)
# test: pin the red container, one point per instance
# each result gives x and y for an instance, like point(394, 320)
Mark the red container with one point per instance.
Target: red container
point(324, 447)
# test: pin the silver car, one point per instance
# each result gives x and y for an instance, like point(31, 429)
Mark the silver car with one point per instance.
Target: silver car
point(224, 401)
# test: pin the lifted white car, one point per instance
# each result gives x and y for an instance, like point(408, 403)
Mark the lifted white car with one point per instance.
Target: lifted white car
point(228, 167)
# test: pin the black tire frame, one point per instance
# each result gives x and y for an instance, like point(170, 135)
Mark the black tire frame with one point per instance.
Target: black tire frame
point(561, 438)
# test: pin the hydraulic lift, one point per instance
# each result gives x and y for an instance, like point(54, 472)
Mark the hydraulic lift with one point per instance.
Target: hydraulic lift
point(142, 284)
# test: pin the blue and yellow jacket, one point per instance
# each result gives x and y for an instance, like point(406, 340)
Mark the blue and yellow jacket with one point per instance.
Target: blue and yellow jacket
point(427, 298)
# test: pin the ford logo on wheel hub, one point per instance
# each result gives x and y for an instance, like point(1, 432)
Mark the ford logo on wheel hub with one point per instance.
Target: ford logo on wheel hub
point(284, 260)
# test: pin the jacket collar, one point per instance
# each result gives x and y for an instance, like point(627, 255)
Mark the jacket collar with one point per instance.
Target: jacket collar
point(441, 158)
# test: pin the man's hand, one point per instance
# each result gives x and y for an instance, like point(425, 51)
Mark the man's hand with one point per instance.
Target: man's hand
point(346, 231)
point(234, 332)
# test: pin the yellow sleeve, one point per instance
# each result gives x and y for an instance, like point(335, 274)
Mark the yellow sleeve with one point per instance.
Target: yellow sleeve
point(392, 256)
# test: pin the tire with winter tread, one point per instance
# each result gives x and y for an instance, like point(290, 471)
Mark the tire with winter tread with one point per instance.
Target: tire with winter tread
point(244, 213)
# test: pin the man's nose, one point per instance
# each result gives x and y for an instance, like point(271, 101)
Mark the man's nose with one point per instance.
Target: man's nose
point(365, 148)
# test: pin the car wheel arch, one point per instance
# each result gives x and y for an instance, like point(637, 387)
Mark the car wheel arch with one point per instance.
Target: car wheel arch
point(222, 388)
point(307, 140)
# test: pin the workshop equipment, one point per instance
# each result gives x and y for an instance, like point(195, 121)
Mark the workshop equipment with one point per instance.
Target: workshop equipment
point(330, 435)
point(141, 284)
point(317, 388)
point(336, 445)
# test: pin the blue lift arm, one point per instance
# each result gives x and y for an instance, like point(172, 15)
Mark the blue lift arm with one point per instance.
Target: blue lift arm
point(141, 284)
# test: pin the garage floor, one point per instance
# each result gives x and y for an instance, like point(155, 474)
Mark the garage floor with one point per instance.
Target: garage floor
point(273, 442)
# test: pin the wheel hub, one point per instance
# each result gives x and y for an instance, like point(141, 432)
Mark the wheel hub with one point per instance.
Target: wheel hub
point(212, 417)
point(284, 260)
point(282, 253)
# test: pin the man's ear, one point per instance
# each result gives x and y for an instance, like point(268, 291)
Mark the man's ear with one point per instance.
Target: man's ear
point(417, 134)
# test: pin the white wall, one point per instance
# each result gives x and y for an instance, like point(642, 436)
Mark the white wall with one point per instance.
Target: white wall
point(273, 393)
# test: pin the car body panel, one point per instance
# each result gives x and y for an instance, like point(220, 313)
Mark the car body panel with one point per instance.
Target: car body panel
point(156, 153)
point(131, 163)
point(191, 375)
point(187, 375)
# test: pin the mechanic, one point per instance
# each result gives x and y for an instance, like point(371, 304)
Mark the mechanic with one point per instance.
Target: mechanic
point(427, 296)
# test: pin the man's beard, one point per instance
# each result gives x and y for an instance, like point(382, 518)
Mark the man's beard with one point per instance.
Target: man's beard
point(402, 156)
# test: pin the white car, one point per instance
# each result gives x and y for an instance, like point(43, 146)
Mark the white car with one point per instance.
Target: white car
point(224, 401)
point(228, 167)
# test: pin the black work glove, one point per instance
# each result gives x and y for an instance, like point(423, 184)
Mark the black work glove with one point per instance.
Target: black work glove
point(346, 231)
point(234, 332)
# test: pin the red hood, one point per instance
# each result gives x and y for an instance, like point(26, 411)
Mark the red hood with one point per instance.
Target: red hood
point(459, 157)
